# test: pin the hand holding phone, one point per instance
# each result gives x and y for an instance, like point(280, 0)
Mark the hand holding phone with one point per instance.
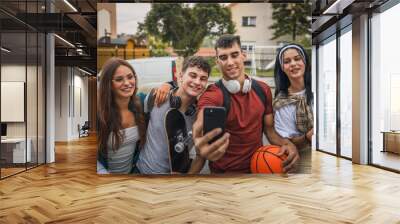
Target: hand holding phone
point(202, 135)
point(214, 117)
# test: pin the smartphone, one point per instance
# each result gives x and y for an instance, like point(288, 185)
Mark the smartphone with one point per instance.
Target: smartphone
point(214, 117)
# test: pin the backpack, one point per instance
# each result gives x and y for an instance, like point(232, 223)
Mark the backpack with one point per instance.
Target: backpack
point(149, 104)
point(227, 98)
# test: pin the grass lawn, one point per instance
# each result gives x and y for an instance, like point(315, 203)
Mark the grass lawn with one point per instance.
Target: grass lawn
point(262, 73)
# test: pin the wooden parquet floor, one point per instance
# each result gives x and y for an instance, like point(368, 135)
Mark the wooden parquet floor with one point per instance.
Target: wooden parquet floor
point(70, 191)
point(10, 171)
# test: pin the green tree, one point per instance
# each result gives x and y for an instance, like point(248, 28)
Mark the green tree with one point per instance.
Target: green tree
point(157, 47)
point(291, 19)
point(184, 27)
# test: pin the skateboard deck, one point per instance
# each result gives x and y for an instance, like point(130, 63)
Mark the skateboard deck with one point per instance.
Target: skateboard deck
point(179, 141)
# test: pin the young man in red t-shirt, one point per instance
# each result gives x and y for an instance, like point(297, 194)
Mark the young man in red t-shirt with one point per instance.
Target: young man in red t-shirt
point(246, 120)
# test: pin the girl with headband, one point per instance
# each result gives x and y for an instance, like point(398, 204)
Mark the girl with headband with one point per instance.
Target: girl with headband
point(293, 115)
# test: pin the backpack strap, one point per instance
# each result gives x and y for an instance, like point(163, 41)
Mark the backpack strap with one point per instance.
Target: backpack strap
point(148, 104)
point(227, 98)
point(226, 103)
point(259, 91)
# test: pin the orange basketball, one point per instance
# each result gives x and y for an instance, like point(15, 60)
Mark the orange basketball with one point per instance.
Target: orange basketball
point(265, 160)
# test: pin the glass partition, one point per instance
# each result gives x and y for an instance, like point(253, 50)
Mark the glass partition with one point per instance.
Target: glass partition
point(13, 92)
point(31, 98)
point(22, 88)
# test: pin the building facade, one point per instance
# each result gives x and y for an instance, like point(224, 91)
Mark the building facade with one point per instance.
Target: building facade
point(107, 20)
point(252, 23)
point(125, 48)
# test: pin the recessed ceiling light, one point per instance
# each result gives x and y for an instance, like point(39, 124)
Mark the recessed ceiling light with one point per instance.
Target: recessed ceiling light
point(86, 72)
point(70, 5)
point(5, 50)
point(337, 7)
point(64, 40)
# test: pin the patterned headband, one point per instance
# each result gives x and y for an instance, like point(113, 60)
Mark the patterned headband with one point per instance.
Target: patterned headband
point(283, 49)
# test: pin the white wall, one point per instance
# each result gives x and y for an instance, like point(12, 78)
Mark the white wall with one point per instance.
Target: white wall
point(12, 73)
point(80, 112)
point(61, 103)
point(71, 93)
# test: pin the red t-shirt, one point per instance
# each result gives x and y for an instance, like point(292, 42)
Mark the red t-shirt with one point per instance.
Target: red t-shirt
point(244, 124)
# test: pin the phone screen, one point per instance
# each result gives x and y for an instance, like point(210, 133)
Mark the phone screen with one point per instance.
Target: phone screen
point(214, 117)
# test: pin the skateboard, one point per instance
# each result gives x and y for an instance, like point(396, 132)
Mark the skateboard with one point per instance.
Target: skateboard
point(179, 141)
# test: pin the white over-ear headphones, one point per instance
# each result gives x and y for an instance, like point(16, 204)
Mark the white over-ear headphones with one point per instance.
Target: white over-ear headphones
point(233, 86)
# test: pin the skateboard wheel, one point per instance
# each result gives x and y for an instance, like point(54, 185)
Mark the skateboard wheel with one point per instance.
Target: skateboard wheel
point(179, 147)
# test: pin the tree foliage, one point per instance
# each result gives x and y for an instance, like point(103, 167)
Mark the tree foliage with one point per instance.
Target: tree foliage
point(184, 27)
point(291, 19)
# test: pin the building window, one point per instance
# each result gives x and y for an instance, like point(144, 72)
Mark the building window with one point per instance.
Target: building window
point(327, 96)
point(385, 89)
point(335, 94)
point(248, 48)
point(346, 94)
point(248, 21)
